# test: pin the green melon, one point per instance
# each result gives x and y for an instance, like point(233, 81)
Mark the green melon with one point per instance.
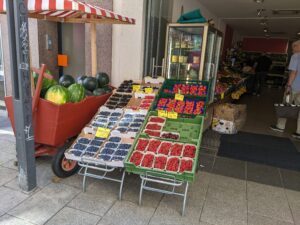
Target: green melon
point(66, 80)
point(99, 91)
point(90, 83)
point(103, 79)
point(108, 89)
point(80, 79)
point(88, 93)
point(46, 84)
point(77, 92)
point(58, 95)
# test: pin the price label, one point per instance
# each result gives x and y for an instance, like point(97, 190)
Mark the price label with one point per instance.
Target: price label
point(179, 97)
point(102, 132)
point(172, 115)
point(222, 95)
point(162, 113)
point(148, 90)
point(136, 87)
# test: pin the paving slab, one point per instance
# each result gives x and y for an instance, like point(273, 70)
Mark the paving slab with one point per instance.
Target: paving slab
point(69, 216)
point(14, 185)
point(10, 199)
point(254, 219)
point(7, 175)
point(291, 179)
point(10, 164)
point(230, 168)
point(268, 201)
point(6, 156)
point(220, 213)
point(127, 213)
point(294, 202)
point(227, 182)
point(40, 207)
point(97, 204)
point(10, 220)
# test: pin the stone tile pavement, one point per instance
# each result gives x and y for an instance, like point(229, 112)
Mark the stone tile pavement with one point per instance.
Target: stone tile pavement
point(225, 192)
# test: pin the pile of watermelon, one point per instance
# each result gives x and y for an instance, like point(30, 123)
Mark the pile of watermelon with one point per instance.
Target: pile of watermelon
point(69, 90)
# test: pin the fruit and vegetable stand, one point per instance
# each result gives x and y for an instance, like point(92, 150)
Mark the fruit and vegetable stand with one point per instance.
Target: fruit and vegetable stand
point(162, 146)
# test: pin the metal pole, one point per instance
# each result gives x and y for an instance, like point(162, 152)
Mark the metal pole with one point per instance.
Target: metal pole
point(17, 17)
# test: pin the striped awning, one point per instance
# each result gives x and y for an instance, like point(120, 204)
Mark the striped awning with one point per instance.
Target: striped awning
point(71, 11)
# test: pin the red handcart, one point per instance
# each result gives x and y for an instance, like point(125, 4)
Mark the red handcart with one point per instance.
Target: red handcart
point(56, 126)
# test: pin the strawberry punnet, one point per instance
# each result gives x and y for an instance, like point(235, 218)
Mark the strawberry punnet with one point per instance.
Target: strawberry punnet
point(160, 162)
point(186, 165)
point(173, 164)
point(189, 151)
point(136, 158)
point(142, 144)
point(148, 160)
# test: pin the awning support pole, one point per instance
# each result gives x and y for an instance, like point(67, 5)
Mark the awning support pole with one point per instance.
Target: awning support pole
point(94, 49)
point(17, 18)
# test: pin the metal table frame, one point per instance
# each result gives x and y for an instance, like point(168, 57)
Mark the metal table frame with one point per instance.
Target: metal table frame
point(168, 181)
point(104, 176)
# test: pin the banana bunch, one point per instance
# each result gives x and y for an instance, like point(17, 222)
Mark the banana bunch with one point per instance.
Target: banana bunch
point(237, 94)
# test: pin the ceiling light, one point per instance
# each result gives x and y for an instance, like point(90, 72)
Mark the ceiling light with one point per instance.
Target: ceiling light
point(266, 30)
point(258, 1)
point(298, 33)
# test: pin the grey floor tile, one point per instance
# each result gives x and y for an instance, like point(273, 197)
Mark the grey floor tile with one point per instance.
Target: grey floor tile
point(209, 150)
point(5, 157)
point(263, 174)
point(127, 213)
point(69, 216)
point(254, 219)
point(294, 201)
point(7, 175)
point(230, 167)
point(268, 201)
point(227, 195)
point(10, 164)
point(44, 204)
point(8, 147)
point(291, 179)
point(227, 182)
point(204, 223)
point(219, 213)
point(10, 220)
point(97, 204)
point(10, 199)
point(44, 175)
point(206, 162)
point(169, 211)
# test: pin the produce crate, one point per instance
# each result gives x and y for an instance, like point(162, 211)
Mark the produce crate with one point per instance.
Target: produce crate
point(170, 83)
point(185, 138)
point(186, 98)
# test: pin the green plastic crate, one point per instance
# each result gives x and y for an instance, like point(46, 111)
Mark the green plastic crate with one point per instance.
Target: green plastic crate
point(184, 138)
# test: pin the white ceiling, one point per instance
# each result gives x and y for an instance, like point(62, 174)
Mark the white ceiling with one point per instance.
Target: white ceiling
point(242, 16)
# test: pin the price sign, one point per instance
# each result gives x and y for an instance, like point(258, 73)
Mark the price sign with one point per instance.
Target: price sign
point(102, 132)
point(162, 113)
point(172, 115)
point(222, 95)
point(136, 87)
point(148, 90)
point(179, 97)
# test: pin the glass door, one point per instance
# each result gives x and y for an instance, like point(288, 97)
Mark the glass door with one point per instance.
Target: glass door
point(184, 52)
point(215, 61)
point(209, 66)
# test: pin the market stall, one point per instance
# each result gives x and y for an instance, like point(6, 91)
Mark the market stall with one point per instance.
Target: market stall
point(54, 100)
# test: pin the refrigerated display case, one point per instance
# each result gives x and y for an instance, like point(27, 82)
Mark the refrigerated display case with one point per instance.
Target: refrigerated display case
point(192, 53)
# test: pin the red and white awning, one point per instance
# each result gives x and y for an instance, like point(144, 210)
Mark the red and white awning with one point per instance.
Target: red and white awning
point(70, 11)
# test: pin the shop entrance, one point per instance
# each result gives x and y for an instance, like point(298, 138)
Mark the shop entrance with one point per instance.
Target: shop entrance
point(2, 86)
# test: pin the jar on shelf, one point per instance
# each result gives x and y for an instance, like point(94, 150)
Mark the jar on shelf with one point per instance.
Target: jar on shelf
point(196, 59)
point(174, 58)
point(181, 58)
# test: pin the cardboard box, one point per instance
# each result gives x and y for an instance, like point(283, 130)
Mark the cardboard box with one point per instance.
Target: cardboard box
point(230, 112)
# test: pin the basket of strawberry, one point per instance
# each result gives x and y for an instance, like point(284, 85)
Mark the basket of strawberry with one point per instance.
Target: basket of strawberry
point(142, 144)
point(186, 165)
point(148, 160)
point(176, 149)
point(173, 164)
point(160, 162)
point(153, 145)
point(165, 148)
point(189, 151)
point(136, 158)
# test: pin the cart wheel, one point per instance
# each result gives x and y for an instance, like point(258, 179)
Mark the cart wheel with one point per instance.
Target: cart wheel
point(63, 167)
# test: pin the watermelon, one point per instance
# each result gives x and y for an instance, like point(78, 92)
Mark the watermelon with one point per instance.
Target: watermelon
point(103, 79)
point(108, 89)
point(57, 94)
point(99, 91)
point(80, 79)
point(77, 92)
point(66, 80)
point(90, 83)
point(47, 83)
point(88, 93)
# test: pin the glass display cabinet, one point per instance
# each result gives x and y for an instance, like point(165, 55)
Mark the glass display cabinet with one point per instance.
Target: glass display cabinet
point(193, 53)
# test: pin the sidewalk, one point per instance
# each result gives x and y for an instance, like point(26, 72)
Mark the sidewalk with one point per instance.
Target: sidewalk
point(225, 192)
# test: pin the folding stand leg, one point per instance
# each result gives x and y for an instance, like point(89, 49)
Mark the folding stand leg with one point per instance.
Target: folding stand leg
point(141, 192)
point(184, 198)
point(84, 179)
point(121, 185)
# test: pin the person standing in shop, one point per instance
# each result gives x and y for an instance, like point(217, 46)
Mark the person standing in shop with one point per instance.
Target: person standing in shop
point(262, 66)
point(292, 89)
